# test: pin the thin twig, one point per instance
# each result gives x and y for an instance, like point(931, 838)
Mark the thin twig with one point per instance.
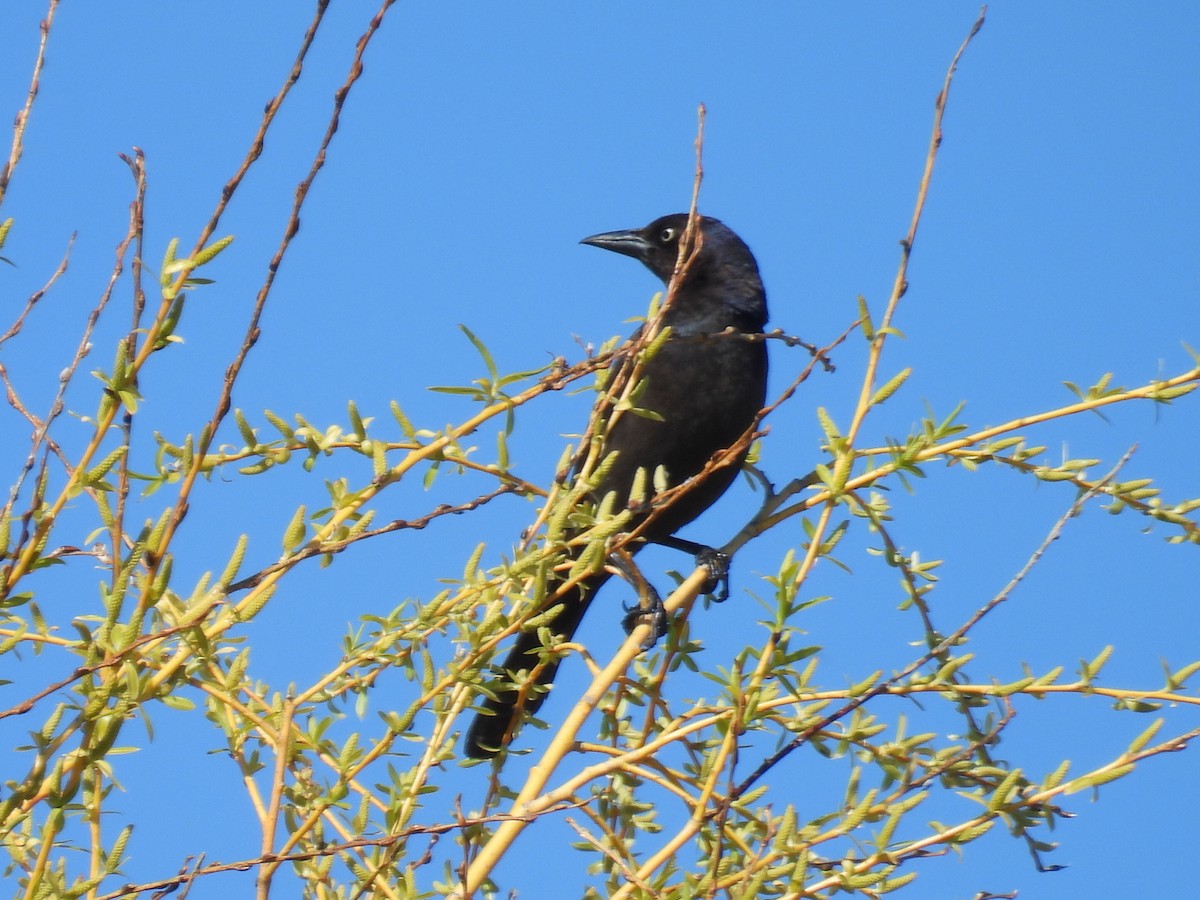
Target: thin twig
point(22, 121)
point(626, 379)
point(945, 644)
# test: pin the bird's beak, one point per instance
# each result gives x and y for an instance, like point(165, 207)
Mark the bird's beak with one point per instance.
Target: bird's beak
point(627, 243)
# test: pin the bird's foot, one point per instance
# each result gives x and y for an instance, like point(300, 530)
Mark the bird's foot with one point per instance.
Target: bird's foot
point(717, 564)
point(710, 558)
point(652, 612)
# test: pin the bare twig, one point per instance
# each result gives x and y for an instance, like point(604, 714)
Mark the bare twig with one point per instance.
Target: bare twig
point(946, 643)
point(18, 141)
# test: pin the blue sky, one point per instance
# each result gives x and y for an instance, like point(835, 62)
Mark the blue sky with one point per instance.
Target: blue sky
point(1059, 243)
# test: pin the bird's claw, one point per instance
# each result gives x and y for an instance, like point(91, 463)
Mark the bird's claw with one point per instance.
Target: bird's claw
point(717, 564)
point(654, 615)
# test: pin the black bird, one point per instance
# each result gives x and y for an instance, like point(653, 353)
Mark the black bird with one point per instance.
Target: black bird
point(706, 391)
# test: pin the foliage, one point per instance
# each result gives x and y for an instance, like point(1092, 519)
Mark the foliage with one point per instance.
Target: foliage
point(354, 812)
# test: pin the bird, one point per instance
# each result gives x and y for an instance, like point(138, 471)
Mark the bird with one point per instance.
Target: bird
point(702, 392)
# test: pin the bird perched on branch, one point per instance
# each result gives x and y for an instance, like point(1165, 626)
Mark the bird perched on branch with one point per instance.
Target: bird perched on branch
point(698, 395)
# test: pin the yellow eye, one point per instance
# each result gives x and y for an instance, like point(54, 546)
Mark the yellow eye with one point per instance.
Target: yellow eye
point(667, 235)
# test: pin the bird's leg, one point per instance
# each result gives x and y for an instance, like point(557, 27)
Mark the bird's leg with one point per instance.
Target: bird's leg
point(712, 559)
point(650, 609)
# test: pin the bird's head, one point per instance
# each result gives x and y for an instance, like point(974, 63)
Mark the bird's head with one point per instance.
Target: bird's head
point(657, 245)
point(723, 274)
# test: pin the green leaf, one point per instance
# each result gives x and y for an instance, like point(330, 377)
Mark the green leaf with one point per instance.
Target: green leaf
point(280, 425)
point(891, 387)
point(403, 421)
point(864, 317)
point(1004, 791)
point(235, 562)
point(248, 435)
point(210, 252)
point(168, 261)
point(483, 352)
point(356, 422)
point(293, 536)
point(1145, 737)
point(827, 425)
point(1098, 778)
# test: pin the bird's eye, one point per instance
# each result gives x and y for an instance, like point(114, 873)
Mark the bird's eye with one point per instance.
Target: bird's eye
point(667, 235)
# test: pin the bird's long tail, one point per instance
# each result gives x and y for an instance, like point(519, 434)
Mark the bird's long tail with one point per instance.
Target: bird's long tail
point(500, 715)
